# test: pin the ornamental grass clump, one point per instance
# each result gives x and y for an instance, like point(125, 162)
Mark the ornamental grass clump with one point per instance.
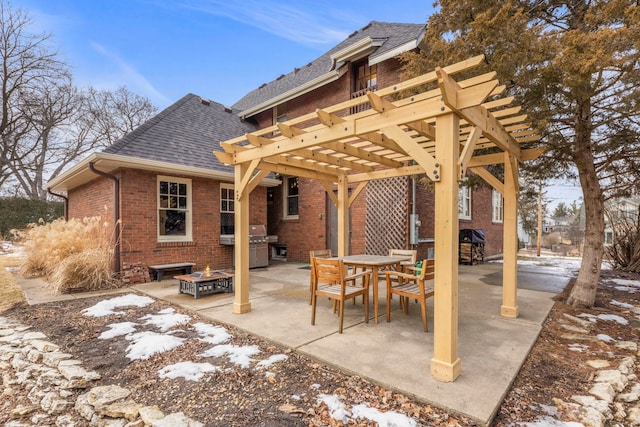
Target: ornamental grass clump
point(72, 255)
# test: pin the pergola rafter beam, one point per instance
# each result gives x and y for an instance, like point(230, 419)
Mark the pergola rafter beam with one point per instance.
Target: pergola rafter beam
point(463, 104)
point(428, 162)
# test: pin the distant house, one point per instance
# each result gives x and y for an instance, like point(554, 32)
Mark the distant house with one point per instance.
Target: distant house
point(175, 200)
point(619, 213)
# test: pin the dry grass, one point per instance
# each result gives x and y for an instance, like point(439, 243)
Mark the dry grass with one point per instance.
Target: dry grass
point(10, 292)
point(86, 270)
point(72, 255)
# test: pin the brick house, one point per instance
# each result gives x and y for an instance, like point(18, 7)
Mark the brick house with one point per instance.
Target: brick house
point(175, 199)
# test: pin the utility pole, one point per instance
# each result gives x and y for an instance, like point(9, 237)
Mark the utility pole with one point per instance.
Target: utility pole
point(539, 240)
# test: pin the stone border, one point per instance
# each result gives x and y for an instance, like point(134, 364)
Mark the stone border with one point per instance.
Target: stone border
point(51, 379)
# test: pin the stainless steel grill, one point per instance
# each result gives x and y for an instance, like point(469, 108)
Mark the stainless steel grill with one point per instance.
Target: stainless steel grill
point(258, 244)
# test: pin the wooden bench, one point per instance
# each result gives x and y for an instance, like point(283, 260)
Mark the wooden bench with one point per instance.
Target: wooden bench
point(157, 271)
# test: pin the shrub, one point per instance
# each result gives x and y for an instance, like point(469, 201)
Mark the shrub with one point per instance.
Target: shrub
point(74, 254)
point(17, 212)
point(86, 270)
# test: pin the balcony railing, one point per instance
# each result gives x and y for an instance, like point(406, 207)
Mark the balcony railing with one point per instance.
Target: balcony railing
point(361, 107)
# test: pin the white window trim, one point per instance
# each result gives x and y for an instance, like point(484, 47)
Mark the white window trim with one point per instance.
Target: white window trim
point(285, 204)
point(228, 187)
point(464, 202)
point(188, 237)
point(497, 206)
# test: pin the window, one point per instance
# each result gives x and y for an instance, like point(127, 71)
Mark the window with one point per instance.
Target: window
point(367, 77)
point(498, 208)
point(174, 209)
point(227, 209)
point(608, 237)
point(279, 116)
point(464, 202)
point(291, 197)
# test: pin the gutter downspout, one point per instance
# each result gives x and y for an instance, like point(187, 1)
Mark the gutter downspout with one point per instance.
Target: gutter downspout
point(66, 203)
point(116, 213)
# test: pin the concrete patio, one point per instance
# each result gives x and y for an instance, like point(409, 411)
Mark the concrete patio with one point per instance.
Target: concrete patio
point(395, 355)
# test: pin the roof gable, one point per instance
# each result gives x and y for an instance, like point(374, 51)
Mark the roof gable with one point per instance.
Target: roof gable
point(390, 40)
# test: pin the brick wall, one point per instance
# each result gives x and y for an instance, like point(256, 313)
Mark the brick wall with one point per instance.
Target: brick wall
point(139, 218)
point(481, 217)
point(94, 198)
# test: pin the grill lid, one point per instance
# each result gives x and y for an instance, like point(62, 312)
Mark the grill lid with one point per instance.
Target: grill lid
point(258, 230)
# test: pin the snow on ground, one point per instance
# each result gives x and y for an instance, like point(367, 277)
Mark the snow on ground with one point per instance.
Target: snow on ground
point(275, 358)
point(166, 319)
point(145, 344)
point(612, 317)
point(631, 286)
point(118, 329)
point(564, 266)
point(187, 370)
point(240, 355)
point(11, 250)
point(549, 420)
point(212, 334)
point(338, 411)
point(107, 307)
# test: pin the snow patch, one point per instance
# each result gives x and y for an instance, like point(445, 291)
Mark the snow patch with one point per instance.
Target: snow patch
point(578, 347)
point(605, 338)
point(118, 329)
point(166, 319)
point(212, 334)
point(146, 344)
point(337, 410)
point(622, 304)
point(384, 419)
point(614, 317)
point(240, 355)
point(275, 358)
point(107, 307)
point(190, 371)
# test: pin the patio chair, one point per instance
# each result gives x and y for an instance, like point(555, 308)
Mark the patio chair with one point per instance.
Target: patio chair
point(331, 280)
point(411, 284)
point(318, 253)
point(410, 254)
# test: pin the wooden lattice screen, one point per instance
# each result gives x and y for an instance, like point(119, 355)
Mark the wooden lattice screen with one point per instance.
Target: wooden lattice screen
point(386, 220)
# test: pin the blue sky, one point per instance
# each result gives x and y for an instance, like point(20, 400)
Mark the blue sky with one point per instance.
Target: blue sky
point(218, 49)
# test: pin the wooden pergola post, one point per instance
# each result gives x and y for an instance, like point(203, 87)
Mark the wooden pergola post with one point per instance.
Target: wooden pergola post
point(445, 364)
point(241, 302)
point(510, 238)
point(343, 217)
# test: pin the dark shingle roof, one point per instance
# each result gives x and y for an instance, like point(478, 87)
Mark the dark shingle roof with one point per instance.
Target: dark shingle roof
point(395, 35)
point(184, 133)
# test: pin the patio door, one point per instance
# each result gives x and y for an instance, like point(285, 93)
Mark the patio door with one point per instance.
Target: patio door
point(332, 226)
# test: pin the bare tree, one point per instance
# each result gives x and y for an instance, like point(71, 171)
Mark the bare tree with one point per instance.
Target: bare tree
point(47, 123)
point(27, 65)
point(107, 116)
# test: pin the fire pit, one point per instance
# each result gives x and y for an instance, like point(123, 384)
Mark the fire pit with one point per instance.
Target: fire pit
point(205, 282)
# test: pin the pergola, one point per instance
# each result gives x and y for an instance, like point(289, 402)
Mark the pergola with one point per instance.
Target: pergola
point(432, 125)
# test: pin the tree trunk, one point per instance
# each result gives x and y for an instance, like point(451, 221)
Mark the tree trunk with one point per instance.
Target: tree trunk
point(583, 293)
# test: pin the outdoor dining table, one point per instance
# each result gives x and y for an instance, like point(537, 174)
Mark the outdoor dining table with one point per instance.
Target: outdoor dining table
point(374, 262)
